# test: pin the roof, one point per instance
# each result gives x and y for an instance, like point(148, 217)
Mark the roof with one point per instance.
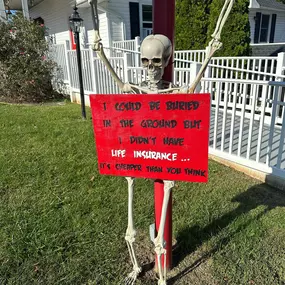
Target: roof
point(271, 4)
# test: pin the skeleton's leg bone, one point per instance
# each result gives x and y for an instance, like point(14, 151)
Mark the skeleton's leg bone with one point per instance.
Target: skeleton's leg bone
point(131, 233)
point(159, 240)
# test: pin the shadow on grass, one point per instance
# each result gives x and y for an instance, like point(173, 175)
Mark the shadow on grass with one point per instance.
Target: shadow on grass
point(190, 238)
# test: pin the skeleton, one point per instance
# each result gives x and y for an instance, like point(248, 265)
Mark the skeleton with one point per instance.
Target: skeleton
point(156, 51)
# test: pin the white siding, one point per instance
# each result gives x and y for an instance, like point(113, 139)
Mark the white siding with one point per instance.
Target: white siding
point(112, 26)
point(122, 9)
point(85, 13)
point(280, 28)
point(279, 36)
point(116, 27)
point(55, 14)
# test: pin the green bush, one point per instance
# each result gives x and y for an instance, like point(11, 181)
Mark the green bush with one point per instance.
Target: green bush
point(196, 21)
point(192, 20)
point(26, 72)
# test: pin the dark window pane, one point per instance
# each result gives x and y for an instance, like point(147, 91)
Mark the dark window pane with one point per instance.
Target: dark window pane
point(263, 35)
point(147, 25)
point(264, 28)
point(265, 21)
point(147, 13)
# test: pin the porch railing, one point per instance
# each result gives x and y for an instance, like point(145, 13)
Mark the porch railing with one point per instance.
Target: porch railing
point(247, 114)
point(248, 122)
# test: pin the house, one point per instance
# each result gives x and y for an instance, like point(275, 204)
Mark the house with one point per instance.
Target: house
point(119, 19)
point(123, 20)
point(267, 25)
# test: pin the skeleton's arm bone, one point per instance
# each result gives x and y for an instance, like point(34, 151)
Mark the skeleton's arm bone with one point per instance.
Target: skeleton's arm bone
point(94, 13)
point(169, 90)
point(214, 44)
point(222, 18)
point(138, 88)
point(159, 91)
point(98, 47)
point(212, 48)
point(125, 87)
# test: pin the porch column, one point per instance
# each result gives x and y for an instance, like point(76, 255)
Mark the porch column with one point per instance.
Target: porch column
point(25, 9)
point(2, 9)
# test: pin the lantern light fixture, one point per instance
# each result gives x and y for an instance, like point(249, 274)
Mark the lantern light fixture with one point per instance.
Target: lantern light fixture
point(75, 21)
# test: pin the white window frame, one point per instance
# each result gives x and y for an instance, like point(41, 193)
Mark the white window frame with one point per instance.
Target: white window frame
point(141, 17)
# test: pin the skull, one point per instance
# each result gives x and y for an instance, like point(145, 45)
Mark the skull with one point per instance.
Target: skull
point(156, 51)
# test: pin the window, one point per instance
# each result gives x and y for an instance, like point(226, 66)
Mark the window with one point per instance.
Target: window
point(146, 20)
point(147, 13)
point(140, 19)
point(264, 28)
point(264, 31)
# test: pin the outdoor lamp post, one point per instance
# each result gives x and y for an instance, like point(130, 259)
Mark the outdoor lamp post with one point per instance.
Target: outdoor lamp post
point(75, 23)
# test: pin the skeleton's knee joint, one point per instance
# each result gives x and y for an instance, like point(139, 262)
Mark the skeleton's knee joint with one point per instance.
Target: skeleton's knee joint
point(159, 247)
point(130, 236)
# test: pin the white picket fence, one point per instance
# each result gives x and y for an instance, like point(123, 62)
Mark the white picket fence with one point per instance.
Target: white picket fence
point(247, 96)
point(248, 122)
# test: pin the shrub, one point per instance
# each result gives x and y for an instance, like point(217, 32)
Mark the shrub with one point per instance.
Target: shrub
point(196, 21)
point(26, 72)
point(192, 20)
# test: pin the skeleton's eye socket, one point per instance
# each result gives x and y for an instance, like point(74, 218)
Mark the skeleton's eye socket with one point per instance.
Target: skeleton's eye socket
point(145, 61)
point(156, 61)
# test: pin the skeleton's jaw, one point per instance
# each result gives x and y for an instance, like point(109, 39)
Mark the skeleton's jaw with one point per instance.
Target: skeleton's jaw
point(154, 77)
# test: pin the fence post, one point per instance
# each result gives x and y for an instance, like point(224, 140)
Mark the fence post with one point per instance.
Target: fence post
point(279, 71)
point(66, 48)
point(92, 66)
point(127, 61)
point(208, 71)
point(280, 64)
point(137, 49)
point(194, 69)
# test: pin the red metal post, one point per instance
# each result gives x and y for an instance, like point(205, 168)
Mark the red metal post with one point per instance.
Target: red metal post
point(164, 23)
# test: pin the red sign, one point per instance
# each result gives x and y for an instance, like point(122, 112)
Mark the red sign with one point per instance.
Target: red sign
point(152, 136)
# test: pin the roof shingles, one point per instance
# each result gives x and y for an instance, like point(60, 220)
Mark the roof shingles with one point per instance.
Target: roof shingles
point(273, 4)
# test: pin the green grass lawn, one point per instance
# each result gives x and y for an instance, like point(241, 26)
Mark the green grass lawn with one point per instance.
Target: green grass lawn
point(63, 223)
